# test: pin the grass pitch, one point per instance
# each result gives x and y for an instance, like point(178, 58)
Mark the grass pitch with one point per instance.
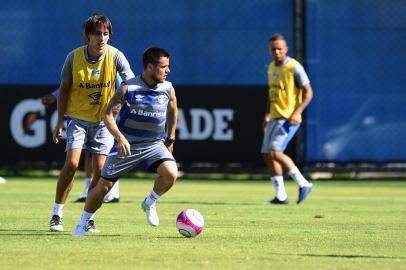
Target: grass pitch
point(343, 225)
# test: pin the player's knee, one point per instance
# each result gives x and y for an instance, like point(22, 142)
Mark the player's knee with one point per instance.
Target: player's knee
point(72, 160)
point(98, 167)
point(272, 154)
point(71, 166)
point(105, 185)
point(171, 176)
point(169, 172)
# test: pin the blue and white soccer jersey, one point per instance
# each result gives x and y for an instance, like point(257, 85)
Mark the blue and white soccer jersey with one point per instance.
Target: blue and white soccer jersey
point(142, 120)
point(278, 133)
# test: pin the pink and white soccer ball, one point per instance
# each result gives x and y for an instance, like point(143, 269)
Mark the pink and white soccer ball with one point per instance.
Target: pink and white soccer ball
point(190, 222)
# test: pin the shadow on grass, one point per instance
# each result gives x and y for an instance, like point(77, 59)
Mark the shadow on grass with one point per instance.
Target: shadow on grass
point(15, 232)
point(350, 256)
point(109, 203)
point(179, 202)
point(209, 203)
point(172, 237)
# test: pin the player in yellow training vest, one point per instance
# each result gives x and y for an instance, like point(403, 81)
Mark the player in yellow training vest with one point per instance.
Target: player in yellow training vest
point(93, 85)
point(87, 85)
point(289, 94)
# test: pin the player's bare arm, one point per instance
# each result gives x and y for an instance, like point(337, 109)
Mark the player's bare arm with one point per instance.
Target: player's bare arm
point(267, 116)
point(307, 98)
point(64, 91)
point(48, 99)
point(114, 107)
point(118, 99)
point(172, 118)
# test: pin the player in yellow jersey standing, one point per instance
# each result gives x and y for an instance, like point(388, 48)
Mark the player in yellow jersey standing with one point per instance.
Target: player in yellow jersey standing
point(114, 194)
point(290, 93)
point(87, 85)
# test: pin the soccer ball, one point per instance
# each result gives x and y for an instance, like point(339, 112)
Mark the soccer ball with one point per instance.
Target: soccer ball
point(189, 222)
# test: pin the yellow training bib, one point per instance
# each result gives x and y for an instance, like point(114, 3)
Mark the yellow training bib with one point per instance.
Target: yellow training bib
point(93, 85)
point(284, 95)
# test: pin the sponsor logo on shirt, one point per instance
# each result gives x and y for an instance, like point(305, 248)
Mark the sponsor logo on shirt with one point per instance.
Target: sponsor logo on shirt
point(95, 96)
point(95, 85)
point(153, 114)
point(139, 97)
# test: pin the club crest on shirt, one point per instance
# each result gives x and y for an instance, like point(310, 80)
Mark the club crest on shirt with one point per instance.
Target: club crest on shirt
point(162, 99)
point(275, 75)
point(95, 73)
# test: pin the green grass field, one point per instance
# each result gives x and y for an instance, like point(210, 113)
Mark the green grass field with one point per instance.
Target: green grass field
point(343, 225)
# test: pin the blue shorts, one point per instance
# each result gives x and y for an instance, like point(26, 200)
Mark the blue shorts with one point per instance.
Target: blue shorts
point(278, 133)
point(149, 157)
point(94, 137)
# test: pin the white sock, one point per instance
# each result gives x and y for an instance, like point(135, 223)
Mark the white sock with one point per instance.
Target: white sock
point(88, 180)
point(152, 198)
point(298, 177)
point(58, 209)
point(86, 216)
point(114, 192)
point(280, 191)
point(92, 216)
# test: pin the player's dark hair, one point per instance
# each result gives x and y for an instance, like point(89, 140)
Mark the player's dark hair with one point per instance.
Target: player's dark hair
point(83, 34)
point(276, 36)
point(93, 21)
point(152, 56)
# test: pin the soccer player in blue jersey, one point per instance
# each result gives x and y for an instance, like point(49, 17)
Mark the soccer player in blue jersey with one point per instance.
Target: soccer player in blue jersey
point(290, 93)
point(87, 86)
point(144, 135)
